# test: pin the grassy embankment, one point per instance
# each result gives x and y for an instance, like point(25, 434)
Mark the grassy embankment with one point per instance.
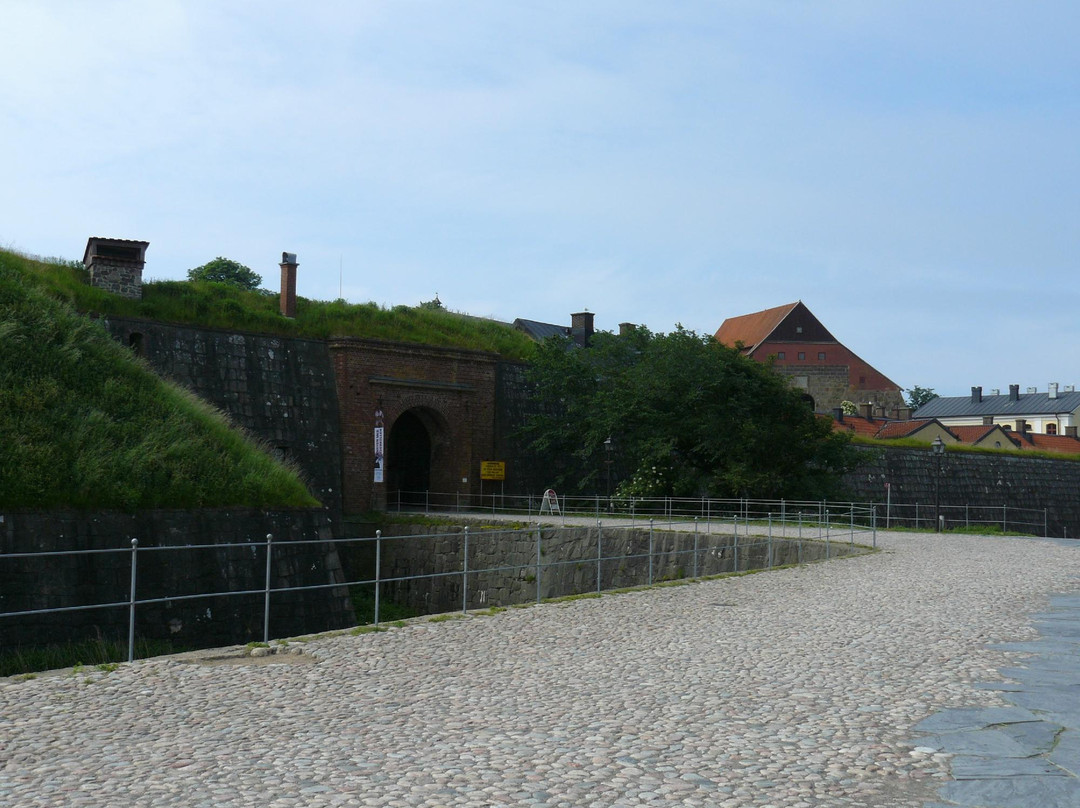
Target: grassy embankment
point(87, 425)
point(219, 305)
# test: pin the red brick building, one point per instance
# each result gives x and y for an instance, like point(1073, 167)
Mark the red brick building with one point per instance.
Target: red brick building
point(816, 362)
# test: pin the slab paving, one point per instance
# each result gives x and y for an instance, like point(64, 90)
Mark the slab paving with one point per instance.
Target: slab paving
point(795, 688)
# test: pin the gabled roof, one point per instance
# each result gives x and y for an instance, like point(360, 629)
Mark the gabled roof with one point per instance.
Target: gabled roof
point(752, 329)
point(541, 331)
point(1065, 444)
point(999, 406)
point(974, 433)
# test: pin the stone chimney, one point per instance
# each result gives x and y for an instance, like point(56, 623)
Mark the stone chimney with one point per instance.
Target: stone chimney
point(116, 265)
point(866, 411)
point(1014, 392)
point(976, 395)
point(903, 413)
point(288, 284)
point(581, 327)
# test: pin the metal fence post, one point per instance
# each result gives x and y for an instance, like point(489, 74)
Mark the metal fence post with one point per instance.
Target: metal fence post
point(873, 524)
point(695, 547)
point(800, 537)
point(650, 551)
point(1046, 530)
point(770, 540)
point(735, 524)
point(378, 571)
point(599, 552)
point(1004, 516)
point(266, 601)
point(538, 551)
point(826, 534)
point(852, 523)
point(465, 574)
point(131, 602)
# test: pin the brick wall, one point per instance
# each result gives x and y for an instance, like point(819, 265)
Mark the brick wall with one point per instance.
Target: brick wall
point(453, 393)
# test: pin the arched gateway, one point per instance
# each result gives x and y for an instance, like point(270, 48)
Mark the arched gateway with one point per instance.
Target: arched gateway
point(438, 409)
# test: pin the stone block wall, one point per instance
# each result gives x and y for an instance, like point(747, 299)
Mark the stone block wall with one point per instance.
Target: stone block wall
point(280, 390)
point(979, 480)
point(179, 553)
point(568, 561)
point(122, 279)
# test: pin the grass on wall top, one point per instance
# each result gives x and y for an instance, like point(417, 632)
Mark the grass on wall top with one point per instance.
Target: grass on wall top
point(86, 424)
point(223, 306)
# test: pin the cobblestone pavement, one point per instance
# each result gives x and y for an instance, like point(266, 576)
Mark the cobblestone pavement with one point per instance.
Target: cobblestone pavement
point(795, 688)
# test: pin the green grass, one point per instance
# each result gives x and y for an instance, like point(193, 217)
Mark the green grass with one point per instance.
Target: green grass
point(87, 425)
point(961, 448)
point(363, 603)
point(103, 655)
point(219, 305)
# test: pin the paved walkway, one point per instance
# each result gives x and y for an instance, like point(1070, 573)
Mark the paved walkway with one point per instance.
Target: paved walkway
point(794, 688)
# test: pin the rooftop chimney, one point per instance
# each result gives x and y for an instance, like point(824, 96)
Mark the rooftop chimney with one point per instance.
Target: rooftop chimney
point(116, 265)
point(1032, 390)
point(288, 284)
point(838, 414)
point(976, 395)
point(866, 411)
point(995, 391)
point(1070, 431)
point(1014, 392)
point(1021, 425)
point(903, 413)
point(1052, 389)
point(581, 327)
point(626, 329)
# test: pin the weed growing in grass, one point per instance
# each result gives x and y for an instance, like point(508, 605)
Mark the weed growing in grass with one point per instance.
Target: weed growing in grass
point(356, 632)
point(443, 618)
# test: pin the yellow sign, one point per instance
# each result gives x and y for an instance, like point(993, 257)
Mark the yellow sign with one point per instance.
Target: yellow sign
point(492, 470)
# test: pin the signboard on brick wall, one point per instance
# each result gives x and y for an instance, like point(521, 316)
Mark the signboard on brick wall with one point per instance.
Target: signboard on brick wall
point(493, 470)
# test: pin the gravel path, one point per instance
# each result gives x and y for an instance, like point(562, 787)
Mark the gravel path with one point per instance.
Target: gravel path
point(792, 688)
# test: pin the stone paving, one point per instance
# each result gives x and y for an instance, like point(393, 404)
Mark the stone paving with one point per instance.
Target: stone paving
point(796, 688)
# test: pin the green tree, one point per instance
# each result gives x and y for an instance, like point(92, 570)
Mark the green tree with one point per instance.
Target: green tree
point(917, 396)
point(225, 270)
point(687, 417)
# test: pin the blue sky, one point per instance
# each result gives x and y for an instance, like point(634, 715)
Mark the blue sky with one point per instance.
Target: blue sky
point(910, 170)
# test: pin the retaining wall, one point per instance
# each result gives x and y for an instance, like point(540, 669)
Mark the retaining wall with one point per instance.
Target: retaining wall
point(568, 561)
point(974, 479)
point(83, 578)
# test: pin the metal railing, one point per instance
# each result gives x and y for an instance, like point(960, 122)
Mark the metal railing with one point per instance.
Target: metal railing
point(724, 543)
point(888, 514)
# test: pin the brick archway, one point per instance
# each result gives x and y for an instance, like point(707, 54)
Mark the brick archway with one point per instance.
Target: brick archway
point(416, 455)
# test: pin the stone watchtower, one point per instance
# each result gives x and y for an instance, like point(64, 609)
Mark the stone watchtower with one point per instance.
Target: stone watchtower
point(116, 265)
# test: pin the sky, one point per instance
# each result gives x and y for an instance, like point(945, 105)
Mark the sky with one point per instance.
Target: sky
point(909, 170)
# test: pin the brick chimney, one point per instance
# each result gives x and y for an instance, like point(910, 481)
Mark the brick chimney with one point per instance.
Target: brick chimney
point(626, 329)
point(288, 284)
point(581, 327)
point(1021, 425)
point(1070, 431)
point(838, 414)
point(866, 411)
point(116, 265)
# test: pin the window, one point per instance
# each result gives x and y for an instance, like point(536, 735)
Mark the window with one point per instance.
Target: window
point(821, 355)
point(780, 355)
point(798, 329)
point(1051, 429)
point(802, 355)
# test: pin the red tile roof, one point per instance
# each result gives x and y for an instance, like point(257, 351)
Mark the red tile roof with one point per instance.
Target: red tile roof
point(1065, 444)
point(752, 329)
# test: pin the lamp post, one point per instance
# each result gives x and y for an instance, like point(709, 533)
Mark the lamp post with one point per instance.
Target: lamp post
point(938, 447)
point(607, 462)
